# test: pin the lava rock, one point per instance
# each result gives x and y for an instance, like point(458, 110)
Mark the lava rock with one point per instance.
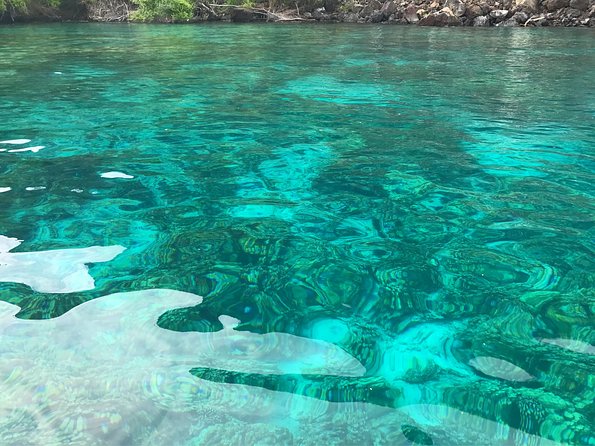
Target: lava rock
point(442, 18)
point(376, 17)
point(499, 14)
point(374, 5)
point(520, 17)
point(581, 5)
point(573, 13)
point(411, 14)
point(456, 6)
point(531, 6)
point(389, 8)
point(319, 14)
point(482, 20)
point(554, 5)
point(473, 11)
point(350, 18)
point(508, 23)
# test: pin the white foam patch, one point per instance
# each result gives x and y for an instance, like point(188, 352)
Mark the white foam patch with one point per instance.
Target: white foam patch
point(5, 189)
point(32, 188)
point(77, 191)
point(3, 150)
point(33, 149)
point(116, 175)
point(16, 141)
point(56, 271)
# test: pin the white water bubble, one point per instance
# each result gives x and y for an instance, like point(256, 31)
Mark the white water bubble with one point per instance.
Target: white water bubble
point(33, 149)
point(5, 189)
point(32, 188)
point(115, 174)
point(16, 141)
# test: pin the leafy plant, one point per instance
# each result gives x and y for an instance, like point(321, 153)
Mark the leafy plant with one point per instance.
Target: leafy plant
point(13, 5)
point(163, 10)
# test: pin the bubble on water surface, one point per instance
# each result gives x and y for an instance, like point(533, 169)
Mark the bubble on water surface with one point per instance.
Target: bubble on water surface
point(116, 175)
point(33, 149)
point(16, 141)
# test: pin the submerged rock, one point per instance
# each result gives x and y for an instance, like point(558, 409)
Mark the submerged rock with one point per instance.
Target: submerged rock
point(416, 435)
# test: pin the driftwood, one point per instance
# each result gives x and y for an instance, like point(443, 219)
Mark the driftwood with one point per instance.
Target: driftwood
point(533, 19)
point(108, 11)
point(269, 15)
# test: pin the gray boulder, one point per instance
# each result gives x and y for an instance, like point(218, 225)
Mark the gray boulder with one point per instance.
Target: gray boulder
point(374, 5)
point(389, 8)
point(508, 23)
point(531, 6)
point(411, 14)
point(482, 20)
point(554, 5)
point(456, 6)
point(473, 11)
point(377, 16)
point(581, 5)
point(442, 18)
point(573, 13)
point(350, 18)
point(499, 14)
point(520, 17)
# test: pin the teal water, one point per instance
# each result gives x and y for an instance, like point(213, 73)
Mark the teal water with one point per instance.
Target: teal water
point(296, 235)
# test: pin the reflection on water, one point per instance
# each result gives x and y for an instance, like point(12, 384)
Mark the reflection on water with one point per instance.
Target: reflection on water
point(105, 373)
point(56, 271)
point(377, 217)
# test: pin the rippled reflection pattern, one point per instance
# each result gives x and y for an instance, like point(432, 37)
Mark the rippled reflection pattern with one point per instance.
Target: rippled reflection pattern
point(392, 229)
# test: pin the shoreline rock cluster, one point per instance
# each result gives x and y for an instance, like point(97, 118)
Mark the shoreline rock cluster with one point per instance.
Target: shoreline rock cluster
point(477, 13)
point(438, 13)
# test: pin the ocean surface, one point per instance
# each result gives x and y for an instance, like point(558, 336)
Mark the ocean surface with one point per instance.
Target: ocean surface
point(296, 235)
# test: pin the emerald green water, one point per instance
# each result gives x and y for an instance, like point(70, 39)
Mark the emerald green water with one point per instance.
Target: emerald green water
point(391, 228)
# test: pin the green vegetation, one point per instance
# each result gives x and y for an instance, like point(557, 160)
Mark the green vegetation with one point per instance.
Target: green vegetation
point(166, 11)
point(16, 5)
point(9, 9)
point(162, 10)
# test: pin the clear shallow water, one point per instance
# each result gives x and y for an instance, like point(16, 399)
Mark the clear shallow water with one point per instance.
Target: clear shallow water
point(391, 228)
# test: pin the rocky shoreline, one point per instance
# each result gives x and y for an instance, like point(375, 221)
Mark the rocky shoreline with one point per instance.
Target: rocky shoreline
point(477, 13)
point(439, 13)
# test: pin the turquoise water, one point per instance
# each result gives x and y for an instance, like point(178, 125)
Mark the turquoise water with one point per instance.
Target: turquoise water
point(296, 235)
